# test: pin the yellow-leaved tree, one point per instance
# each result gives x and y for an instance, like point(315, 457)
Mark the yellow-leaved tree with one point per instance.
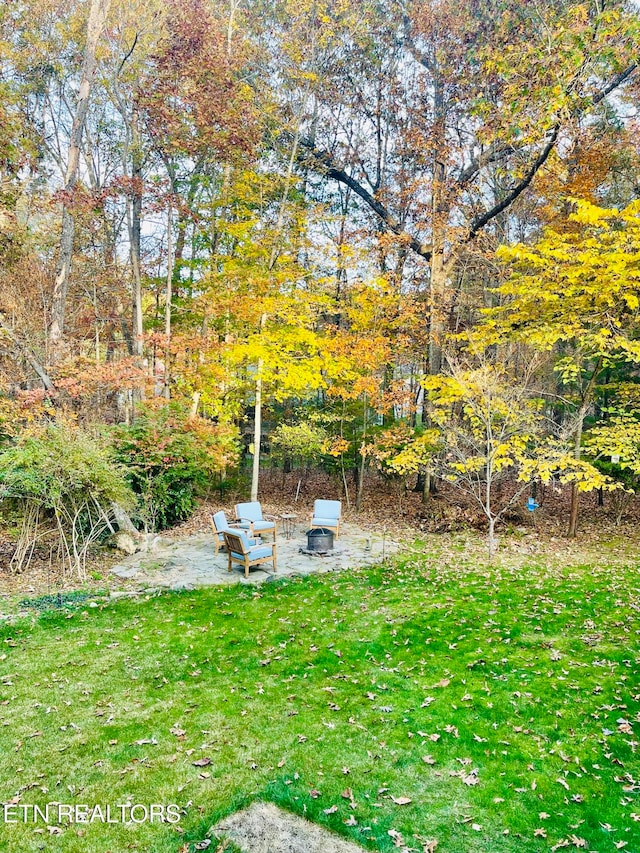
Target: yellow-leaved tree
point(576, 294)
point(494, 432)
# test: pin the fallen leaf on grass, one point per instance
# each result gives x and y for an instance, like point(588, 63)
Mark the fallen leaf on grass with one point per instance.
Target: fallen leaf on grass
point(430, 846)
point(201, 762)
point(401, 801)
point(331, 810)
point(470, 778)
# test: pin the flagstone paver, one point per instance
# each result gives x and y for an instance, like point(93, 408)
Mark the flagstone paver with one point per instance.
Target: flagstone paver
point(191, 562)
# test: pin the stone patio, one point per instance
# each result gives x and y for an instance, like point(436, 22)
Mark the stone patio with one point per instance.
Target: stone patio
point(192, 562)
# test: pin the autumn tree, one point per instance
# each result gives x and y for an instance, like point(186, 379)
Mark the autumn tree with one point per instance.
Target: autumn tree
point(494, 434)
point(489, 92)
point(575, 294)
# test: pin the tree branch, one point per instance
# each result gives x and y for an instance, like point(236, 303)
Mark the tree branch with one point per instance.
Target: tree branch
point(28, 355)
point(322, 161)
point(480, 221)
point(552, 137)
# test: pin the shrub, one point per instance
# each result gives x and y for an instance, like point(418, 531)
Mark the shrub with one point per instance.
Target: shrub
point(171, 458)
point(64, 484)
point(302, 443)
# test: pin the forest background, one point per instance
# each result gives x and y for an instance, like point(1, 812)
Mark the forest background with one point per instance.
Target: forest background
point(392, 236)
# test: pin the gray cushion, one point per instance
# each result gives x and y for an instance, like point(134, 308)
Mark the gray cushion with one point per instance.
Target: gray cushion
point(263, 525)
point(256, 553)
point(324, 522)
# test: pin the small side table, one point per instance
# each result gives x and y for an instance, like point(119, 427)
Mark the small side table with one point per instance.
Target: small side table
point(288, 523)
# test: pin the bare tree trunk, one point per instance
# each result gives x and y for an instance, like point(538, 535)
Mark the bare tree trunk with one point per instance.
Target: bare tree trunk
point(575, 494)
point(493, 543)
point(426, 488)
point(257, 424)
point(587, 397)
point(257, 435)
point(167, 307)
point(135, 232)
point(360, 476)
point(438, 271)
point(98, 11)
point(273, 258)
point(437, 290)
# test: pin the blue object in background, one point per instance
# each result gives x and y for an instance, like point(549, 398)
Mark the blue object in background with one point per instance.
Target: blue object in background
point(532, 504)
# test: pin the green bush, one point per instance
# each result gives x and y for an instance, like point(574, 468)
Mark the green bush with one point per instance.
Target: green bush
point(63, 482)
point(171, 458)
point(302, 443)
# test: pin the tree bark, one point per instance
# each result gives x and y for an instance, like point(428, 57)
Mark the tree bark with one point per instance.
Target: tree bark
point(167, 307)
point(98, 11)
point(135, 229)
point(493, 544)
point(257, 425)
point(577, 449)
point(362, 460)
point(575, 494)
point(439, 216)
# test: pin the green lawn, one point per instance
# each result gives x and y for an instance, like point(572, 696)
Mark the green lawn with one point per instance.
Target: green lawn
point(491, 709)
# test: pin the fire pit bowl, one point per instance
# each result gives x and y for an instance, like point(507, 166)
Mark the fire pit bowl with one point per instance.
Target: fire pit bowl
point(320, 540)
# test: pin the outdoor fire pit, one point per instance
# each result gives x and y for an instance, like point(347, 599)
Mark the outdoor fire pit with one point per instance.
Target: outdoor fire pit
point(319, 540)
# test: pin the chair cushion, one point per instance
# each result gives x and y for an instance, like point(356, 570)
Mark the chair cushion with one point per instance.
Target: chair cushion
point(246, 541)
point(327, 509)
point(220, 521)
point(255, 553)
point(324, 522)
point(251, 511)
point(263, 525)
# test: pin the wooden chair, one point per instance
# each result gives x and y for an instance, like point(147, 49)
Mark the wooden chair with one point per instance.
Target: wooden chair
point(327, 514)
point(240, 551)
point(219, 524)
point(250, 518)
